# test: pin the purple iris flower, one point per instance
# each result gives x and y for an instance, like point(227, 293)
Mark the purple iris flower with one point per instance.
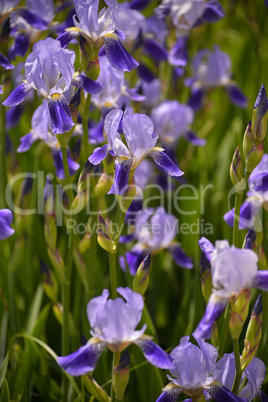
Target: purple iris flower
point(195, 373)
point(155, 230)
point(140, 138)
point(115, 92)
point(131, 22)
point(113, 324)
point(6, 218)
point(212, 69)
point(98, 29)
point(172, 120)
point(232, 270)
point(49, 69)
point(185, 14)
point(257, 197)
point(26, 22)
point(254, 373)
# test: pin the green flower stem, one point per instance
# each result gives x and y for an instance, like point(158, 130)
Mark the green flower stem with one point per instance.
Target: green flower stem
point(85, 127)
point(116, 359)
point(3, 174)
point(238, 201)
point(239, 372)
point(68, 273)
point(112, 257)
point(93, 249)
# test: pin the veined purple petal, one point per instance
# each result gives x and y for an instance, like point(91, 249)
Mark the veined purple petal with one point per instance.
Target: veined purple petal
point(155, 49)
point(196, 98)
point(18, 95)
point(215, 307)
point(83, 360)
point(180, 257)
point(170, 394)
point(32, 19)
point(1, 89)
point(117, 55)
point(236, 96)
point(121, 176)
point(154, 354)
point(164, 161)
point(220, 393)
point(260, 394)
point(213, 11)
point(260, 281)
point(61, 120)
point(194, 139)
point(4, 62)
point(26, 142)
point(98, 155)
point(89, 85)
point(207, 247)
point(6, 218)
point(67, 37)
point(178, 55)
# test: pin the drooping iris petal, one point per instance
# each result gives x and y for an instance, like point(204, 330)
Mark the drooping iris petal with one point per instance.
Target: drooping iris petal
point(155, 49)
point(98, 155)
point(236, 95)
point(6, 218)
point(180, 257)
point(162, 160)
point(220, 393)
point(121, 177)
point(32, 19)
point(153, 353)
point(170, 394)
point(196, 98)
point(18, 95)
point(20, 46)
point(248, 211)
point(89, 85)
point(4, 62)
point(135, 257)
point(194, 139)
point(260, 281)
point(213, 11)
point(68, 36)
point(178, 55)
point(61, 119)
point(215, 307)
point(84, 359)
point(117, 55)
point(26, 142)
